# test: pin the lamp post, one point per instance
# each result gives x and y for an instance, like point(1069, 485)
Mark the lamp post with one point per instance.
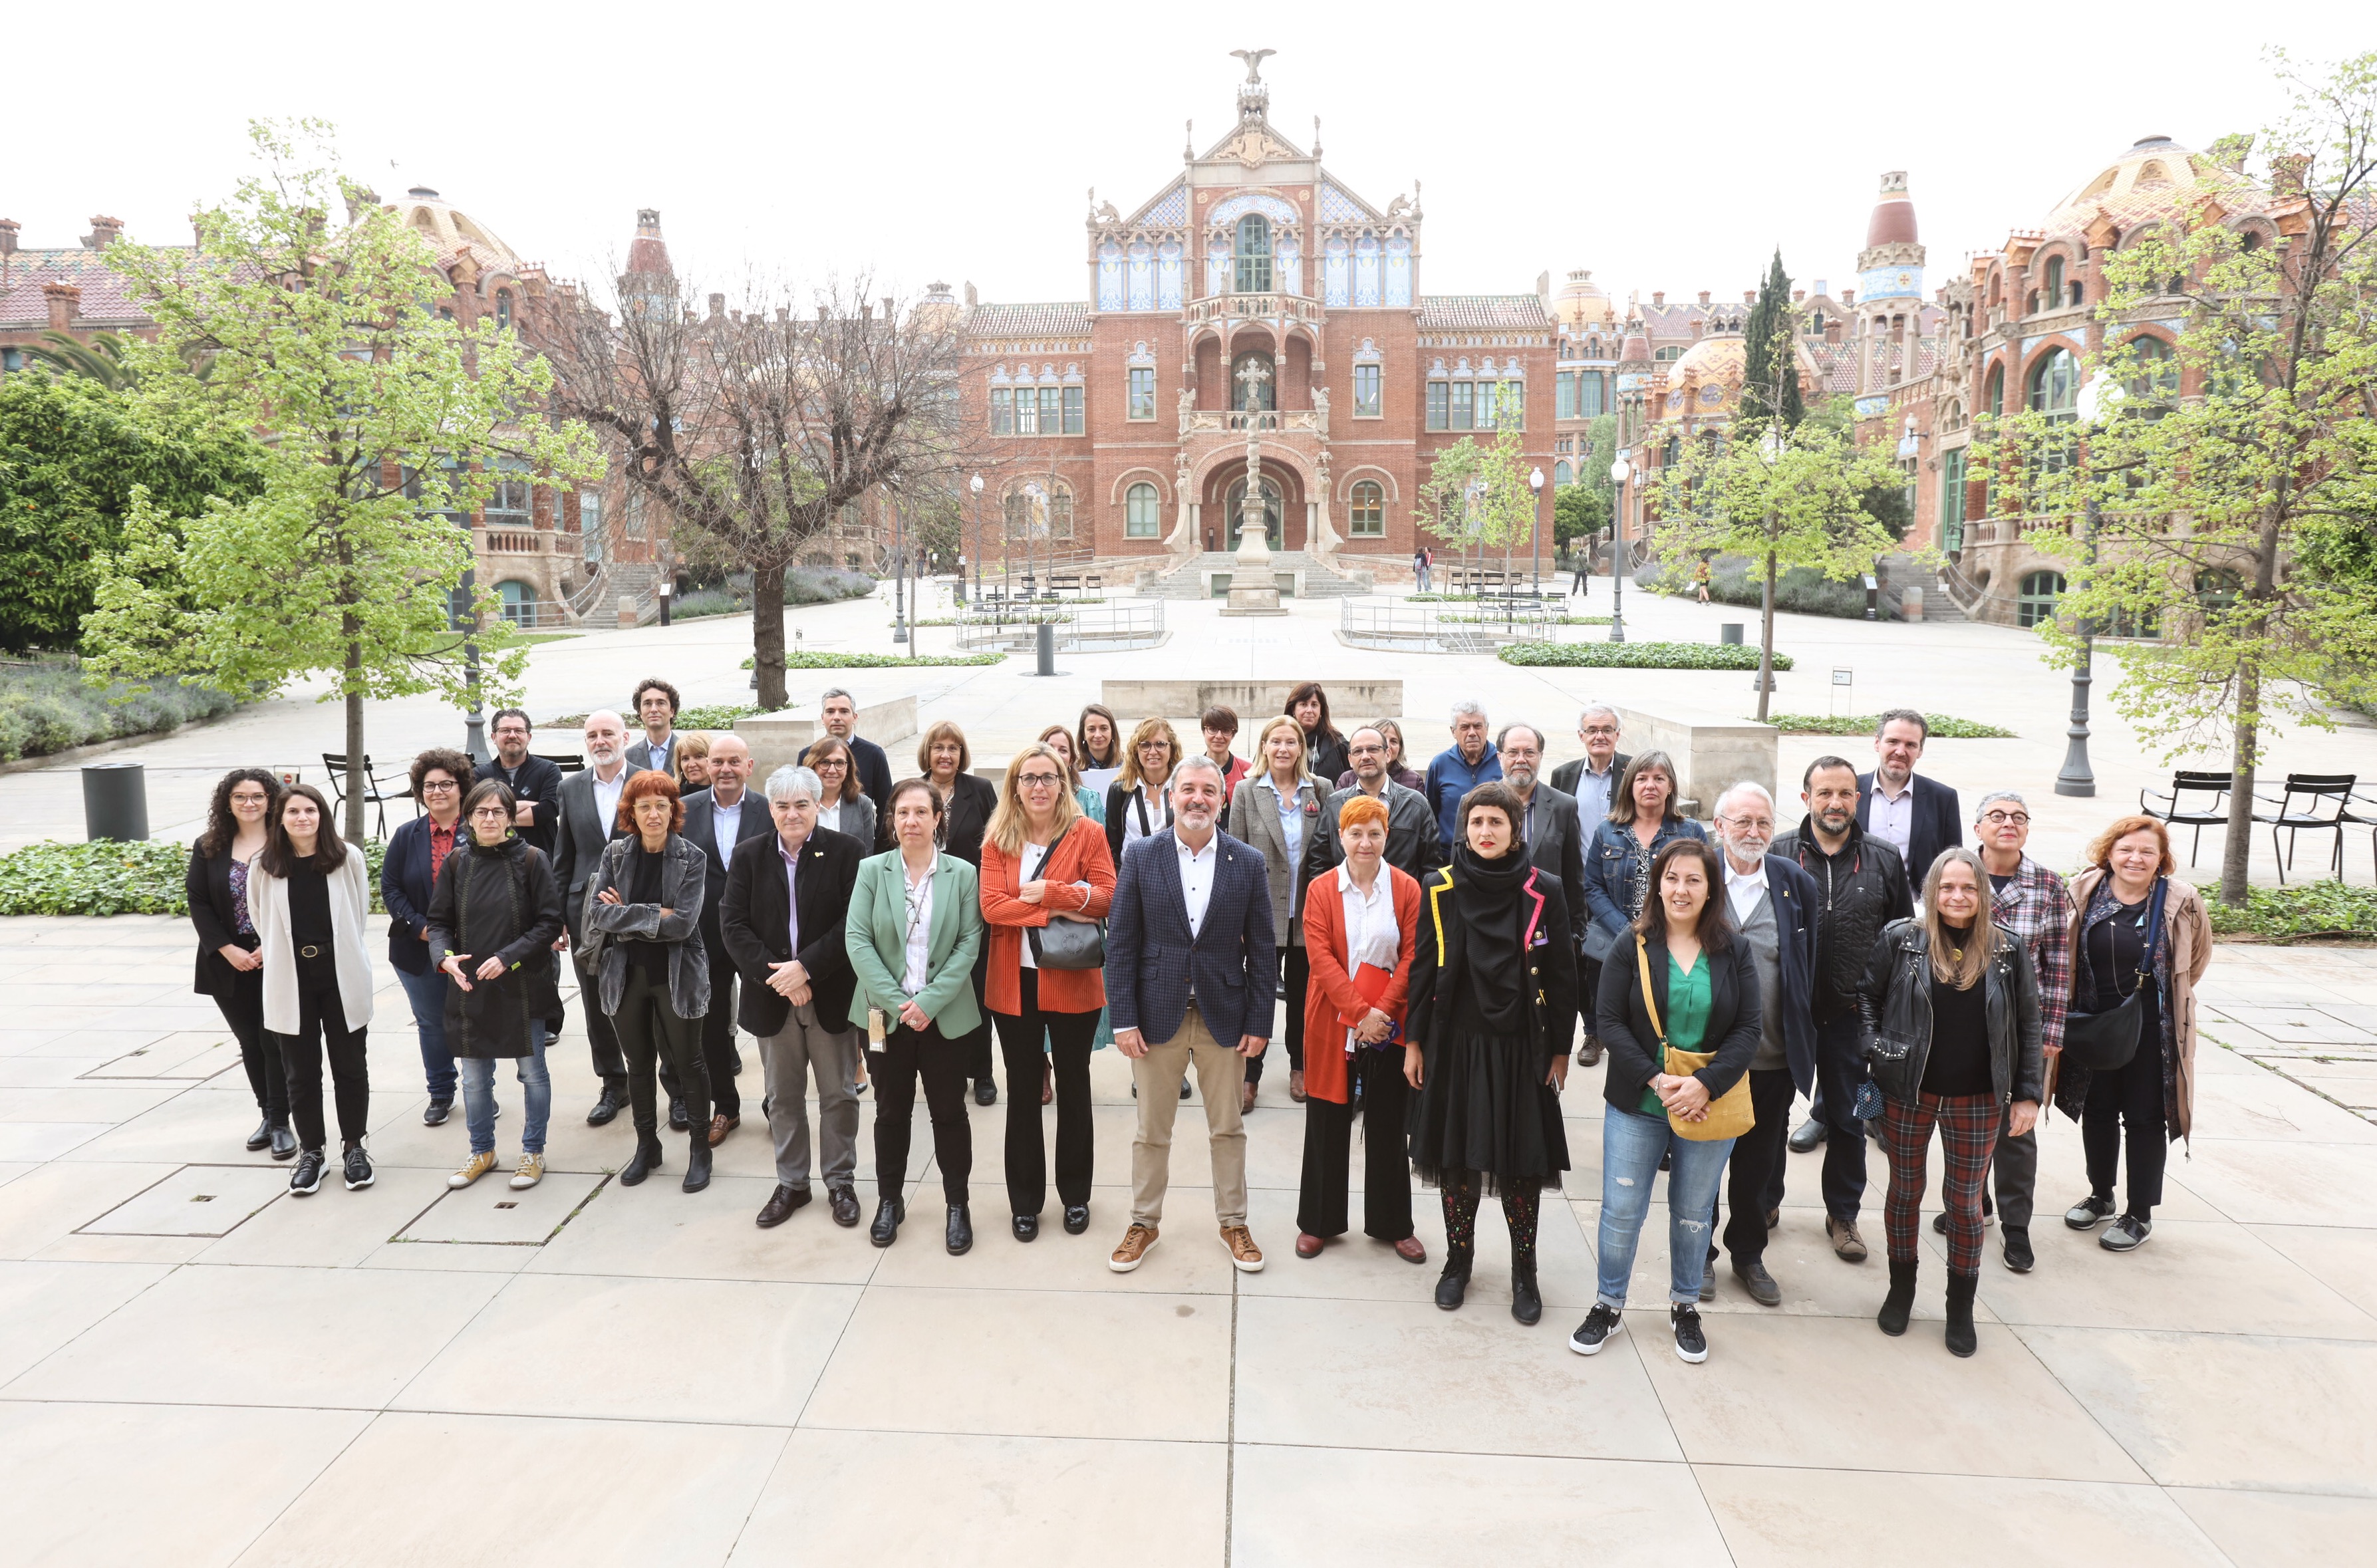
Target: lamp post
point(2098, 401)
point(974, 484)
point(1536, 536)
point(899, 578)
point(1620, 472)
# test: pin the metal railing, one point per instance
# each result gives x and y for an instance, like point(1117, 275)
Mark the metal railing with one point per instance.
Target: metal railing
point(1084, 628)
point(1395, 624)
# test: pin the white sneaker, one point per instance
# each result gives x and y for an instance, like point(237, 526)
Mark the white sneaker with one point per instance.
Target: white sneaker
point(478, 1165)
point(530, 1171)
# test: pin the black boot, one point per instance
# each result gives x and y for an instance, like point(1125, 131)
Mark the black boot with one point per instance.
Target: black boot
point(697, 1161)
point(1526, 1302)
point(1899, 1305)
point(960, 1239)
point(1453, 1284)
point(889, 1213)
point(1962, 1339)
point(645, 1160)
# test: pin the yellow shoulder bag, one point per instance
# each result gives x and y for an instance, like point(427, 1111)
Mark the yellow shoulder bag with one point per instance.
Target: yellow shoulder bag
point(1729, 1114)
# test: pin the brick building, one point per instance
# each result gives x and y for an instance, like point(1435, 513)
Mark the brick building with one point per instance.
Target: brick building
point(1253, 292)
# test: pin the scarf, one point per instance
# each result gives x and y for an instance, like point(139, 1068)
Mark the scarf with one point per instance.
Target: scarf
point(1487, 897)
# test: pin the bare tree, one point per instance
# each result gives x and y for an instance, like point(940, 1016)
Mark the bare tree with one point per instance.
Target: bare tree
point(757, 426)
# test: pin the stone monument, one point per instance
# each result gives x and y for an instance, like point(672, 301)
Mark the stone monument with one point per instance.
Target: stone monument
point(1253, 589)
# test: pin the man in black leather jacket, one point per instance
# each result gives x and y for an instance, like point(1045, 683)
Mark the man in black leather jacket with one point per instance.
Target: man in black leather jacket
point(1860, 887)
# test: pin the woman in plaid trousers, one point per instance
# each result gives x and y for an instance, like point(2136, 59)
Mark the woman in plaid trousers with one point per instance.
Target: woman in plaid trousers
point(1951, 1010)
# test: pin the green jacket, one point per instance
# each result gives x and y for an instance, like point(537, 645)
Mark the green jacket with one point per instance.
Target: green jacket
point(875, 933)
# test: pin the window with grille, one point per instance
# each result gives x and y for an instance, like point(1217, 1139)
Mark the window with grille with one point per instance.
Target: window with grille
point(1365, 511)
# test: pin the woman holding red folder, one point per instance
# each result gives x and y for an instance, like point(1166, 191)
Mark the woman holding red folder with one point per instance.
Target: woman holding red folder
point(1361, 928)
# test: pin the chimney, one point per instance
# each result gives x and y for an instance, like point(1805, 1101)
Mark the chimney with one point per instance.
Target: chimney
point(1658, 296)
point(1749, 296)
point(2287, 173)
point(717, 307)
point(105, 231)
point(972, 299)
point(1704, 294)
point(1848, 296)
point(783, 314)
point(887, 307)
point(9, 228)
point(360, 200)
point(1822, 288)
point(865, 310)
point(1798, 295)
point(65, 301)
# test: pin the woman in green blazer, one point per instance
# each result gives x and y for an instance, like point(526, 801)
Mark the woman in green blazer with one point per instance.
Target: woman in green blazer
point(915, 927)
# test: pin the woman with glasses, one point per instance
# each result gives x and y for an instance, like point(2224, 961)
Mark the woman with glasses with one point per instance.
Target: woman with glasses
point(845, 809)
point(231, 968)
point(408, 876)
point(1044, 869)
point(1138, 803)
point(491, 925)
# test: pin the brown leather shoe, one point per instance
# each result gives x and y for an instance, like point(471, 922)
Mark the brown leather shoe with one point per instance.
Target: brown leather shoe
point(721, 1125)
point(1244, 1254)
point(1295, 1085)
point(1133, 1250)
point(1246, 1098)
point(1306, 1245)
point(1048, 1083)
point(1410, 1250)
point(1847, 1245)
point(1589, 1053)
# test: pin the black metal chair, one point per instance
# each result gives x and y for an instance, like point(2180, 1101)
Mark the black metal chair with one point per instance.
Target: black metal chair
point(567, 764)
point(2326, 798)
point(376, 793)
point(2363, 795)
point(2172, 808)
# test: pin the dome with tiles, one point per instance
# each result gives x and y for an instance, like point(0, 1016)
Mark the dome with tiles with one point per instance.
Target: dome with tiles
point(453, 231)
point(1582, 302)
point(2148, 181)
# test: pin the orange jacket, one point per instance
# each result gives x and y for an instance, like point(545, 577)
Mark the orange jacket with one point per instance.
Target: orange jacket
point(1079, 856)
point(1331, 1005)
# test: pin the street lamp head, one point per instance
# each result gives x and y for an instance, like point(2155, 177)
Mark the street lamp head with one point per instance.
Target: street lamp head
point(1619, 471)
point(1535, 480)
point(2101, 399)
point(974, 484)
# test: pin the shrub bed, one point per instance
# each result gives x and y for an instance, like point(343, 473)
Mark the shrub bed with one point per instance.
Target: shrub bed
point(803, 585)
point(2309, 911)
point(1943, 726)
point(109, 878)
point(811, 659)
point(1799, 589)
point(47, 707)
point(1638, 656)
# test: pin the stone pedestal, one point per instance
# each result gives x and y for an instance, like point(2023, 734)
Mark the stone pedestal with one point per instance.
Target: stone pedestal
point(1253, 589)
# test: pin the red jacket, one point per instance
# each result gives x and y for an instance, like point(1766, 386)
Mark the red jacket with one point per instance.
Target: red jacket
point(1079, 856)
point(1331, 1005)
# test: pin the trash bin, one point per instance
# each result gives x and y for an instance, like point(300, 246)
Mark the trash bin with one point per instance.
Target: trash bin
point(1728, 634)
point(115, 802)
point(1048, 647)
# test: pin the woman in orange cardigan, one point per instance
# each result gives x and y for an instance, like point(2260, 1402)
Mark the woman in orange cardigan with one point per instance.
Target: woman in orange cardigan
point(1042, 861)
point(1361, 929)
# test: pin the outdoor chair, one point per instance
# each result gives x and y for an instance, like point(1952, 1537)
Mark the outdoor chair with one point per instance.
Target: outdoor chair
point(2325, 797)
point(2363, 795)
point(567, 764)
point(2172, 808)
point(376, 793)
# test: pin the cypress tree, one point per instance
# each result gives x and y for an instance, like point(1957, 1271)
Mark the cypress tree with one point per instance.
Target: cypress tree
point(1770, 382)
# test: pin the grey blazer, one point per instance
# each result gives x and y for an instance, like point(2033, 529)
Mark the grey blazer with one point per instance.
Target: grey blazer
point(1254, 820)
point(684, 874)
point(858, 822)
point(1412, 847)
point(579, 834)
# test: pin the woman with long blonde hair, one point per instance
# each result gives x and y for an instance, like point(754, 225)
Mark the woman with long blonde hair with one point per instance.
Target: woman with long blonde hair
point(1277, 808)
point(1138, 803)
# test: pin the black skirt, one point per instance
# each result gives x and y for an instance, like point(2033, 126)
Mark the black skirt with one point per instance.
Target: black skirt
point(1484, 1106)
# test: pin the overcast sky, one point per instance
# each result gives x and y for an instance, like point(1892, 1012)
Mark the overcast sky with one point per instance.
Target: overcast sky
point(1665, 148)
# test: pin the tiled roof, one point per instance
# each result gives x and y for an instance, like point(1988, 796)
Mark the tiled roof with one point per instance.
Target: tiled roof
point(107, 296)
point(1065, 317)
point(1487, 312)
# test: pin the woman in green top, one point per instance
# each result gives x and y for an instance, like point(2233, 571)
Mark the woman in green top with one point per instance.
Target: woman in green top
point(1704, 986)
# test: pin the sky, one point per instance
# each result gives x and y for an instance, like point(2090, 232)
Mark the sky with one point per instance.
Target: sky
point(1663, 149)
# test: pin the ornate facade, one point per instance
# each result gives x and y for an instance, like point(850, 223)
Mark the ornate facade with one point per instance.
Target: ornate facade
point(1254, 293)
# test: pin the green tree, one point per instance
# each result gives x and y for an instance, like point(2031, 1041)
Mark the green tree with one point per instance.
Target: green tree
point(1478, 494)
point(1770, 387)
point(73, 453)
point(1579, 510)
point(384, 422)
point(2223, 495)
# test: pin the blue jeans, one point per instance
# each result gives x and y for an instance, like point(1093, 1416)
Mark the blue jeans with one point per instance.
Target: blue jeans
point(1630, 1147)
point(479, 1096)
point(428, 994)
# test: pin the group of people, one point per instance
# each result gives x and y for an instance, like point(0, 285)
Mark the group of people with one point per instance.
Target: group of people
point(1438, 938)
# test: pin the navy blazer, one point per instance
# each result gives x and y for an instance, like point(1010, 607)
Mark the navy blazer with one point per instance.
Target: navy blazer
point(1152, 957)
point(700, 830)
point(405, 887)
point(1939, 823)
point(874, 780)
point(1792, 894)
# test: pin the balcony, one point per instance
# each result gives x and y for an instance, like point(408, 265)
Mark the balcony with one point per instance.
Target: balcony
point(1254, 307)
point(1289, 420)
point(515, 542)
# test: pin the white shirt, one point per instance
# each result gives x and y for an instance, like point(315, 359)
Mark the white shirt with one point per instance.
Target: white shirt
point(830, 816)
point(1890, 818)
point(726, 823)
point(1158, 809)
point(606, 800)
point(1288, 806)
point(1034, 857)
point(1197, 878)
point(1371, 934)
point(918, 917)
point(660, 752)
point(1743, 890)
point(792, 890)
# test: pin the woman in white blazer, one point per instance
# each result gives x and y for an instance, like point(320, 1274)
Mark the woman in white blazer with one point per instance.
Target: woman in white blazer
point(308, 900)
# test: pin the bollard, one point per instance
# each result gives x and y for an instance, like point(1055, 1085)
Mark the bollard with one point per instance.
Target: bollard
point(1728, 634)
point(115, 802)
point(1047, 630)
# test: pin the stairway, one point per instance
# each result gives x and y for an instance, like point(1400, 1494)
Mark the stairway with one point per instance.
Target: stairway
point(1902, 571)
point(1189, 579)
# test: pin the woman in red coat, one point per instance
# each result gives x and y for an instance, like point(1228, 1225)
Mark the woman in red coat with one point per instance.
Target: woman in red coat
point(1361, 929)
point(1044, 861)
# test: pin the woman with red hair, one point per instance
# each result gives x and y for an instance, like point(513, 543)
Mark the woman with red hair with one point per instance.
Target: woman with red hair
point(1361, 932)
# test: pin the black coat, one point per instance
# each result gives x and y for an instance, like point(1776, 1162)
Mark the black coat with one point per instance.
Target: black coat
point(1557, 847)
point(537, 784)
point(1937, 824)
point(1119, 799)
point(1894, 998)
point(1443, 952)
point(1324, 757)
point(1857, 894)
point(207, 886)
point(700, 830)
point(755, 925)
point(971, 800)
point(874, 781)
point(1736, 1019)
point(496, 903)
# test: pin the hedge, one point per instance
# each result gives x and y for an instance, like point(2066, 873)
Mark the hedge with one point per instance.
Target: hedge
point(810, 660)
point(803, 585)
point(1942, 726)
point(1801, 590)
point(112, 878)
point(48, 708)
point(1638, 656)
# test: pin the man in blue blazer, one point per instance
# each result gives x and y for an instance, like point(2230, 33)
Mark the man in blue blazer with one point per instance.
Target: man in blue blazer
point(1772, 903)
point(1191, 976)
point(1915, 815)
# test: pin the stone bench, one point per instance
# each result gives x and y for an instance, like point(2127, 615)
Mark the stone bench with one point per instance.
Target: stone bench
point(777, 739)
point(1713, 752)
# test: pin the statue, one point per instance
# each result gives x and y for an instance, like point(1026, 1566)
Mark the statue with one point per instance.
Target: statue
point(1254, 59)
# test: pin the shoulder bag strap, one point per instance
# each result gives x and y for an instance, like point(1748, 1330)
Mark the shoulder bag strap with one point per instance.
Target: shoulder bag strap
point(2153, 930)
point(1650, 1003)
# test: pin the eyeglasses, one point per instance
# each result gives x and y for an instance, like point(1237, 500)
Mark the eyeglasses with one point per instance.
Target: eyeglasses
point(1154, 746)
point(1600, 730)
point(1036, 780)
point(1748, 824)
point(439, 784)
point(1999, 819)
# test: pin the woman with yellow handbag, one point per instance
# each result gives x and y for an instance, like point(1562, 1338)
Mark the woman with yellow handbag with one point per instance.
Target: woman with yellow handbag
point(1681, 1024)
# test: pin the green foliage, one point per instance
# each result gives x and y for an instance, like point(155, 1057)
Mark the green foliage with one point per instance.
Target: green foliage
point(1770, 375)
point(111, 878)
point(74, 451)
point(1801, 590)
point(1579, 510)
point(2305, 912)
point(811, 658)
point(803, 585)
point(48, 708)
point(1637, 656)
point(1943, 726)
point(1478, 495)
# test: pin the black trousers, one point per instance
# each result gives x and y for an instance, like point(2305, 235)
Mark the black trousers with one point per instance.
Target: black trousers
point(601, 1036)
point(322, 1030)
point(1840, 1068)
point(1757, 1164)
point(650, 1031)
point(2127, 1098)
point(1297, 970)
point(718, 1050)
point(242, 1013)
point(1321, 1200)
point(905, 1056)
point(977, 1041)
point(1068, 1035)
point(1588, 990)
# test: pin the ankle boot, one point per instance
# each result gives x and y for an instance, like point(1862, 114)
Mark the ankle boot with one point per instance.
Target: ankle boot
point(646, 1161)
point(1961, 1338)
point(1453, 1284)
point(1899, 1305)
point(697, 1161)
point(1526, 1301)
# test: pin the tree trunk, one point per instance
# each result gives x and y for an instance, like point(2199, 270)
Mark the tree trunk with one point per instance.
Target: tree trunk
point(768, 633)
point(2237, 848)
point(1766, 639)
point(358, 775)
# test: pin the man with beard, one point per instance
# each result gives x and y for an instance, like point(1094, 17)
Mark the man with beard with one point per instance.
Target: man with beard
point(589, 820)
point(1412, 844)
point(1860, 887)
point(535, 783)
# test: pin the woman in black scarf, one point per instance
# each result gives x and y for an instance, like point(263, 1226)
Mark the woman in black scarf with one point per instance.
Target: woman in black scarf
point(1493, 1004)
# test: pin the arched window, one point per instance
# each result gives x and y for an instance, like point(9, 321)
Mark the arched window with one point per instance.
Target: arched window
point(2054, 280)
point(1366, 512)
point(1995, 396)
point(1563, 475)
point(1254, 393)
point(2154, 374)
point(503, 310)
point(1141, 519)
point(517, 602)
point(2037, 601)
point(2055, 385)
point(1254, 255)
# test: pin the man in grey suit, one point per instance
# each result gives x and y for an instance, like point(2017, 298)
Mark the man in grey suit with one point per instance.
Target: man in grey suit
point(1591, 777)
point(589, 819)
point(1553, 841)
point(1412, 847)
point(717, 821)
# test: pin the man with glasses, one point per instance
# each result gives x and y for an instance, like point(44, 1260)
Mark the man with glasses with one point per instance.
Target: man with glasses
point(1773, 905)
point(1412, 847)
point(2031, 904)
point(535, 783)
point(838, 711)
point(1590, 778)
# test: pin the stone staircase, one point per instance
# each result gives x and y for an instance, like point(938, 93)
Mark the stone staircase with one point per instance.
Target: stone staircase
point(1190, 577)
point(1939, 604)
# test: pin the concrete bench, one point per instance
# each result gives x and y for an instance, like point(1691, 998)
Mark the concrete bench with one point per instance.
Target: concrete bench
point(1713, 752)
point(777, 739)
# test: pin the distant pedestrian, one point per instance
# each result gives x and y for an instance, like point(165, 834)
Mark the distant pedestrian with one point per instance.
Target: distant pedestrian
point(1700, 580)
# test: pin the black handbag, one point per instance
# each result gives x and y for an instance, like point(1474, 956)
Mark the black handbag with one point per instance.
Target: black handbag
point(2102, 1042)
point(1067, 945)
